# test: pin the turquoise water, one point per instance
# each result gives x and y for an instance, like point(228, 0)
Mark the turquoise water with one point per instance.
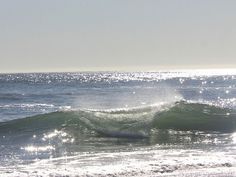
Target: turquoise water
point(112, 123)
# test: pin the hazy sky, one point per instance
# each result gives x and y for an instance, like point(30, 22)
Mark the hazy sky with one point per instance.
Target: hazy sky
point(73, 35)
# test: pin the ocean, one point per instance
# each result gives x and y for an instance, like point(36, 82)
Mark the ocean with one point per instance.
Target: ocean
point(170, 123)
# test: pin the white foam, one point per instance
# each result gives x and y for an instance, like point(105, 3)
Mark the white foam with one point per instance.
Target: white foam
point(141, 162)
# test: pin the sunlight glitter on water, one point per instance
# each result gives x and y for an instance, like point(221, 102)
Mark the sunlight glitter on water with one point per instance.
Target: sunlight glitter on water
point(234, 138)
point(38, 148)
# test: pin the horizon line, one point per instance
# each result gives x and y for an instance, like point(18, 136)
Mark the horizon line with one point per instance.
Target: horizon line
point(189, 70)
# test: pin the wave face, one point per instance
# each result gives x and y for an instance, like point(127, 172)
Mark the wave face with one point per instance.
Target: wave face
point(129, 123)
point(196, 116)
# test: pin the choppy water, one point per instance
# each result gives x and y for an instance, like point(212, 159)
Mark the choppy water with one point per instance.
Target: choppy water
point(123, 124)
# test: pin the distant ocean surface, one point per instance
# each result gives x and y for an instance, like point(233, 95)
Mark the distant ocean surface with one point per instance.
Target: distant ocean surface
point(175, 123)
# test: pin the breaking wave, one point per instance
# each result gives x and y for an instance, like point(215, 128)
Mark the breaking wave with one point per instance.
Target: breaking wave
point(129, 123)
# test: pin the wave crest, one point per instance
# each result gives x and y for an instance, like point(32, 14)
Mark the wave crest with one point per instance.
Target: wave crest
point(129, 123)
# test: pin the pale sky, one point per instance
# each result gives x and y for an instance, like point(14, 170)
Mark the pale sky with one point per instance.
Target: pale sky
point(78, 35)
